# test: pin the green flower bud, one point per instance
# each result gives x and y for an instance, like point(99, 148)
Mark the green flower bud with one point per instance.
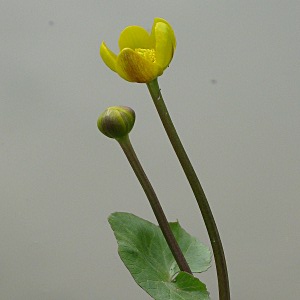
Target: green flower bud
point(116, 121)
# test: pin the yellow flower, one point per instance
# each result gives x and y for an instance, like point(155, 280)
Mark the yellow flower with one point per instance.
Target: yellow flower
point(143, 56)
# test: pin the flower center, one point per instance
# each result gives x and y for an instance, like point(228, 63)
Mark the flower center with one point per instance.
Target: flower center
point(148, 54)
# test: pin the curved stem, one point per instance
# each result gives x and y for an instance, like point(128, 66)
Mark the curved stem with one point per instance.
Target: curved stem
point(223, 281)
point(154, 202)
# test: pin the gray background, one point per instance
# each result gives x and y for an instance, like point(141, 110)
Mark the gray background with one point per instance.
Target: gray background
point(233, 92)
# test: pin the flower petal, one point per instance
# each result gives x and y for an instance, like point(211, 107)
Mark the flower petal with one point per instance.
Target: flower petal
point(172, 36)
point(135, 37)
point(135, 68)
point(108, 57)
point(165, 42)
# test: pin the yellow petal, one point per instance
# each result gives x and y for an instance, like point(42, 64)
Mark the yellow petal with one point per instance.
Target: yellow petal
point(108, 57)
point(135, 37)
point(165, 42)
point(172, 34)
point(135, 68)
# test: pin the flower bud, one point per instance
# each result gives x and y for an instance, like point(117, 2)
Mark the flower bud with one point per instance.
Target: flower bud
point(116, 121)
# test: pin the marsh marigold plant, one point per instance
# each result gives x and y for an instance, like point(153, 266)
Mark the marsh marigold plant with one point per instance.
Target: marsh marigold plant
point(143, 56)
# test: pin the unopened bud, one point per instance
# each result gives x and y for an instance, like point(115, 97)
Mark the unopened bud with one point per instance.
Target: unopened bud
point(116, 121)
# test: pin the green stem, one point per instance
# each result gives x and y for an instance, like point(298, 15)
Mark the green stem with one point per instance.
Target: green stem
point(154, 202)
point(223, 281)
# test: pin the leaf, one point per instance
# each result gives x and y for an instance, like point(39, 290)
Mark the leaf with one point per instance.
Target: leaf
point(144, 251)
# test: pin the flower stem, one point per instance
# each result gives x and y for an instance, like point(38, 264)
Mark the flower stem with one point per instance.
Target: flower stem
point(154, 202)
point(223, 281)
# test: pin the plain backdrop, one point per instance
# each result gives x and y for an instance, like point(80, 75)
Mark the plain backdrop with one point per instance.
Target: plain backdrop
point(233, 92)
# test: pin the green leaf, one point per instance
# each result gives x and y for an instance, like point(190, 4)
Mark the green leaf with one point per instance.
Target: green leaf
point(144, 251)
